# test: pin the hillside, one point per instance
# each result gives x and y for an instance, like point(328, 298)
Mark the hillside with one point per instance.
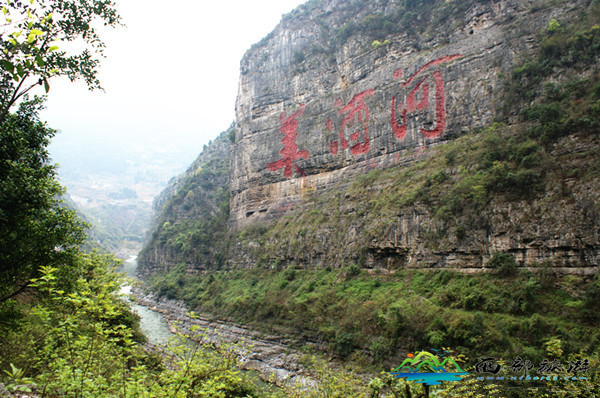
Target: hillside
point(403, 174)
point(192, 215)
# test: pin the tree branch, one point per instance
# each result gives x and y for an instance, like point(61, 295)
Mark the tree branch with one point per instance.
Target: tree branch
point(18, 291)
point(16, 95)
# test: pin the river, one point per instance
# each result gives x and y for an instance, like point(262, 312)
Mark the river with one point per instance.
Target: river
point(152, 323)
point(157, 331)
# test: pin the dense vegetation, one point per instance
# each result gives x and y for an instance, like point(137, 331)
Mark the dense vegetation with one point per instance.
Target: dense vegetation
point(33, 224)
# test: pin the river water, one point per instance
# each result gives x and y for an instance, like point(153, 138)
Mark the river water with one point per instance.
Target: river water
point(156, 329)
point(152, 323)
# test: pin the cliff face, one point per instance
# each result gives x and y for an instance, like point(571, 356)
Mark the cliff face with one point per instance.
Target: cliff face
point(328, 94)
point(358, 140)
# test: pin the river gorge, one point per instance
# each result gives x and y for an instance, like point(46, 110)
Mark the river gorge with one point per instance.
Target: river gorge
point(270, 357)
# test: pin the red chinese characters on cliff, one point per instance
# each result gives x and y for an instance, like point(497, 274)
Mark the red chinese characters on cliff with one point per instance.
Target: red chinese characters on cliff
point(420, 90)
point(355, 124)
point(290, 152)
point(424, 93)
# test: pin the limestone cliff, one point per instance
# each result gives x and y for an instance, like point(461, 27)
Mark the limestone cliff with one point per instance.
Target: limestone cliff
point(358, 139)
point(329, 93)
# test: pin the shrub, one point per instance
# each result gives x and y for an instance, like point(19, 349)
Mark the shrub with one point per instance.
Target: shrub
point(352, 271)
point(343, 344)
point(503, 263)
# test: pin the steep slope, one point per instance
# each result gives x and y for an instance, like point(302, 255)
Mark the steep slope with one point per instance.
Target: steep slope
point(191, 215)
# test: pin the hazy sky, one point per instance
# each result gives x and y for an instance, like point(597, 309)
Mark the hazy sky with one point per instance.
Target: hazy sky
point(171, 72)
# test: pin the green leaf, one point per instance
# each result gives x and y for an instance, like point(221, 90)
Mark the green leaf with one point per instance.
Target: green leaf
point(47, 19)
point(20, 70)
point(33, 35)
point(53, 48)
point(39, 60)
point(46, 86)
point(8, 66)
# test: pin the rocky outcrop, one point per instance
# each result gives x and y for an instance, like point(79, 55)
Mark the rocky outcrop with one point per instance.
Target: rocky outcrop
point(317, 105)
point(271, 356)
point(563, 235)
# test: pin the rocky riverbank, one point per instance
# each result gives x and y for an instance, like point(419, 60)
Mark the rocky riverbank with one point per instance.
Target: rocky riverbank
point(270, 355)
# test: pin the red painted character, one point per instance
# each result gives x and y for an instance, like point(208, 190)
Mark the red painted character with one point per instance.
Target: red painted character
point(290, 152)
point(422, 87)
point(356, 122)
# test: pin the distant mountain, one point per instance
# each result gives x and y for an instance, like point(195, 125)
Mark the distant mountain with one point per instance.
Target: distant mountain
point(113, 181)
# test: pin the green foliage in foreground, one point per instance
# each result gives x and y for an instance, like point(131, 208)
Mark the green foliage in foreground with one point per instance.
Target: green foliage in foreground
point(85, 344)
point(30, 55)
point(35, 227)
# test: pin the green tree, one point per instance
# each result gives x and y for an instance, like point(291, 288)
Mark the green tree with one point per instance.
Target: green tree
point(77, 345)
point(35, 229)
point(34, 47)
